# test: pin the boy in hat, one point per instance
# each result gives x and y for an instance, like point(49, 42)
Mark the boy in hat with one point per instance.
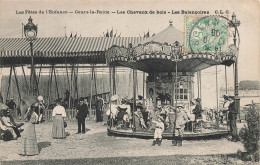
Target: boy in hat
point(159, 128)
point(181, 120)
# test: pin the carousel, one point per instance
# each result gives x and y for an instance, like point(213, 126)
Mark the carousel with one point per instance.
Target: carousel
point(169, 61)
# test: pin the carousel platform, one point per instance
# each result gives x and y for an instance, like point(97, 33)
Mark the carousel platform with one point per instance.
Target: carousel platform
point(204, 134)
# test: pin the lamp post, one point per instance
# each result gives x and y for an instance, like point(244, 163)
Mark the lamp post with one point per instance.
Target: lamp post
point(30, 32)
point(235, 23)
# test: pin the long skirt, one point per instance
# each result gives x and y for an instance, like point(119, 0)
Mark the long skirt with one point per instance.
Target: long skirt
point(29, 142)
point(58, 130)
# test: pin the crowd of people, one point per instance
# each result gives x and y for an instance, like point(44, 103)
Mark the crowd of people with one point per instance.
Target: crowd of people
point(174, 119)
point(121, 116)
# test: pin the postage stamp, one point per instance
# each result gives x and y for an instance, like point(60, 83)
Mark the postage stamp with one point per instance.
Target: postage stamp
point(205, 34)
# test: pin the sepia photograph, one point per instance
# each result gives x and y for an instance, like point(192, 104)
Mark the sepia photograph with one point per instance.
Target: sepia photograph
point(129, 82)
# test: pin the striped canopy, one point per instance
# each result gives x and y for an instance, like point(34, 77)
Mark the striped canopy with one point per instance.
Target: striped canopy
point(58, 50)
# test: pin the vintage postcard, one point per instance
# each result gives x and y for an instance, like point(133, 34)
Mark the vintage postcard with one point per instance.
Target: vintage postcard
point(129, 82)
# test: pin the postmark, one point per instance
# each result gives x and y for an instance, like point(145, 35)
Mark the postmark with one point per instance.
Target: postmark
point(206, 34)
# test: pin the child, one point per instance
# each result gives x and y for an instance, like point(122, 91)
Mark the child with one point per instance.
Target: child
point(159, 128)
point(181, 120)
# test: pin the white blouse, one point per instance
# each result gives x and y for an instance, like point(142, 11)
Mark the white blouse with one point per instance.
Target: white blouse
point(59, 110)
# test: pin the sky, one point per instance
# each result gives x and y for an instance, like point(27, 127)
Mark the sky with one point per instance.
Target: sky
point(133, 25)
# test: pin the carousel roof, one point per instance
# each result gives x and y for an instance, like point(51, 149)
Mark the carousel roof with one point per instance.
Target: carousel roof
point(169, 35)
point(58, 50)
point(163, 51)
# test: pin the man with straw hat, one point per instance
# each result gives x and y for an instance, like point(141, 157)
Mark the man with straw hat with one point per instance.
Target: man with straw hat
point(181, 120)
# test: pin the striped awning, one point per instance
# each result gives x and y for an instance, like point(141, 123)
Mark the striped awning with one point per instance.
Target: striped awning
point(57, 50)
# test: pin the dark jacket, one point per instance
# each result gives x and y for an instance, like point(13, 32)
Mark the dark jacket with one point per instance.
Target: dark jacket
point(197, 110)
point(99, 104)
point(232, 115)
point(82, 111)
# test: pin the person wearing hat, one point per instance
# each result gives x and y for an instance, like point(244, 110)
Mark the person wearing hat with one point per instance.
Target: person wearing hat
point(112, 111)
point(58, 114)
point(7, 133)
point(29, 142)
point(40, 108)
point(6, 121)
point(99, 109)
point(181, 120)
point(82, 113)
point(12, 105)
point(198, 109)
point(232, 116)
point(159, 128)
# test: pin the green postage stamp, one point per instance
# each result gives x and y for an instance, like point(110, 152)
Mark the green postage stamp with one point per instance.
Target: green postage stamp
point(206, 34)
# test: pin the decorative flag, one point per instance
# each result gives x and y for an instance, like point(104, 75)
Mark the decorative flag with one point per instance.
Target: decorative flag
point(111, 33)
point(147, 34)
point(71, 34)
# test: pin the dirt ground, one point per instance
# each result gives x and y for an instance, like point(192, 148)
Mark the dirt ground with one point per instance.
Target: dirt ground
point(97, 144)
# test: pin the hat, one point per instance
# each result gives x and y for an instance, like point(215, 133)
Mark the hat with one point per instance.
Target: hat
point(180, 106)
point(198, 99)
point(225, 97)
point(11, 98)
point(40, 98)
point(114, 98)
point(140, 97)
point(81, 99)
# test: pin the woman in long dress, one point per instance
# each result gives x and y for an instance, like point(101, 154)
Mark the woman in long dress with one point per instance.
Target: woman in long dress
point(29, 142)
point(58, 114)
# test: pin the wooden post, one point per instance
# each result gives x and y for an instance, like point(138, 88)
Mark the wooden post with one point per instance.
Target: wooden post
point(9, 82)
point(198, 83)
point(71, 84)
point(76, 82)
point(50, 85)
point(95, 80)
point(27, 86)
point(110, 93)
point(17, 84)
point(68, 84)
point(200, 89)
point(134, 96)
point(154, 93)
point(173, 91)
point(176, 83)
point(114, 80)
point(56, 83)
point(38, 79)
point(91, 87)
point(143, 87)
point(217, 94)
point(226, 79)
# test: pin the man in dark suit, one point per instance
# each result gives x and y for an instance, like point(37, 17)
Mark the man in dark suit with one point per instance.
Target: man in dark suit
point(232, 116)
point(99, 109)
point(82, 112)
